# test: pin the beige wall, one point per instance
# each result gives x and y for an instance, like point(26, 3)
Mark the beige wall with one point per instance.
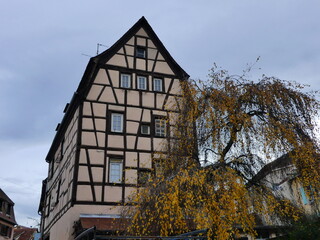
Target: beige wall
point(63, 229)
point(107, 96)
point(98, 144)
point(63, 174)
point(289, 188)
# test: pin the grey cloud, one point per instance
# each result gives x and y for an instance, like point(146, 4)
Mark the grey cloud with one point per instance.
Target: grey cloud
point(41, 62)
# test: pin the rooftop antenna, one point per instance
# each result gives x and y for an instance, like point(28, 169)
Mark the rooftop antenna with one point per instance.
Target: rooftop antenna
point(86, 55)
point(100, 45)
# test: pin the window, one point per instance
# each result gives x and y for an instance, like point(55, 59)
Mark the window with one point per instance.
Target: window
point(61, 149)
point(49, 205)
point(142, 83)
point(157, 84)
point(116, 122)
point(304, 196)
point(125, 80)
point(1, 204)
point(5, 230)
point(145, 129)
point(7, 208)
point(158, 167)
point(140, 52)
point(115, 171)
point(160, 127)
point(58, 192)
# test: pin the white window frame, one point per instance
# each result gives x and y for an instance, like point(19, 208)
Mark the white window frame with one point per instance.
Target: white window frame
point(144, 87)
point(158, 84)
point(124, 83)
point(114, 124)
point(160, 127)
point(115, 174)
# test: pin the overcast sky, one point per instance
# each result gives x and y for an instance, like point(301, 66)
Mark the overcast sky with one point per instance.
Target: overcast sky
point(41, 61)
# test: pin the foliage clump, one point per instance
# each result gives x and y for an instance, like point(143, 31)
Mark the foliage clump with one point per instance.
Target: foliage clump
point(305, 228)
point(225, 131)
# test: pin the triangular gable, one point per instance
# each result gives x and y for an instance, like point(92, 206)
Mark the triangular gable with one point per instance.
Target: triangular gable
point(142, 28)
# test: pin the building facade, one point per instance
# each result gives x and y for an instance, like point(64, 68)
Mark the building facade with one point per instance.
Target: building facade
point(7, 218)
point(116, 121)
point(282, 177)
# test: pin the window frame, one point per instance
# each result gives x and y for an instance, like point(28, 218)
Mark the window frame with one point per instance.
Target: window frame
point(114, 114)
point(5, 230)
point(119, 162)
point(146, 125)
point(154, 84)
point(145, 82)
point(137, 54)
point(48, 206)
point(8, 209)
point(122, 82)
point(62, 145)
point(58, 192)
point(164, 128)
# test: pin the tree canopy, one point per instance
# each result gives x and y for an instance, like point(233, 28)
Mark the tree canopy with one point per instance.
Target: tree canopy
point(227, 129)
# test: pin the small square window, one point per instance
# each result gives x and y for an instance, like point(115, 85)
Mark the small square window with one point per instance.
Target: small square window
point(160, 127)
point(142, 83)
point(157, 84)
point(115, 170)
point(140, 52)
point(125, 80)
point(145, 129)
point(116, 122)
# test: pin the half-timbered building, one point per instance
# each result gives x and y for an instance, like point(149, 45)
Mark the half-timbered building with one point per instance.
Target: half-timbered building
point(113, 125)
point(7, 218)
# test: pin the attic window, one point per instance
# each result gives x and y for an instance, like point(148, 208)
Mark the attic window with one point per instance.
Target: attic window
point(8, 210)
point(141, 52)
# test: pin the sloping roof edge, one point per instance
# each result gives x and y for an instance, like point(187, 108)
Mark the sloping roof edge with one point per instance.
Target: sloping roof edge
point(283, 161)
point(143, 23)
point(5, 197)
point(10, 219)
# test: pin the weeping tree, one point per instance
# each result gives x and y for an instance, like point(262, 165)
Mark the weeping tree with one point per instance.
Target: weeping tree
point(227, 129)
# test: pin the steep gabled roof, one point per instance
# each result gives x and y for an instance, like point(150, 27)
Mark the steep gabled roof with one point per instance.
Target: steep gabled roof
point(3, 216)
point(143, 23)
point(100, 59)
point(5, 197)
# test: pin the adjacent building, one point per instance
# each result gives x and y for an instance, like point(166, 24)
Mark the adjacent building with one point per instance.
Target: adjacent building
point(25, 233)
point(7, 219)
point(115, 123)
point(281, 176)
